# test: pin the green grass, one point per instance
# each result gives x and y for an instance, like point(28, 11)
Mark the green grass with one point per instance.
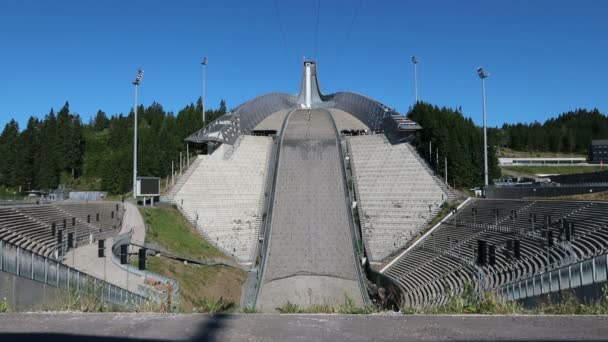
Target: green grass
point(446, 208)
point(550, 169)
point(468, 302)
point(595, 196)
point(509, 153)
point(348, 307)
point(3, 305)
point(202, 288)
point(167, 227)
point(82, 183)
point(9, 194)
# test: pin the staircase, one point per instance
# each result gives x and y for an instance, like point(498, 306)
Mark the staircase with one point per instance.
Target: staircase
point(446, 189)
point(184, 177)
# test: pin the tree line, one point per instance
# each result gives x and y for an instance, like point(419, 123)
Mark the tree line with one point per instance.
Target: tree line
point(569, 132)
point(62, 150)
point(447, 133)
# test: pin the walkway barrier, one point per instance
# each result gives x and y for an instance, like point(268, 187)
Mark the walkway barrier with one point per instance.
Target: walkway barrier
point(144, 291)
point(581, 273)
point(23, 263)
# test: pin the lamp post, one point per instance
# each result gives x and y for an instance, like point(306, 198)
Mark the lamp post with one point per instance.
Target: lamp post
point(415, 62)
point(136, 83)
point(483, 75)
point(204, 64)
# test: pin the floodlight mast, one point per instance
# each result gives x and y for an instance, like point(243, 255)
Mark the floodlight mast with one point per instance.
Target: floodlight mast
point(204, 64)
point(136, 83)
point(483, 75)
point(415, 62)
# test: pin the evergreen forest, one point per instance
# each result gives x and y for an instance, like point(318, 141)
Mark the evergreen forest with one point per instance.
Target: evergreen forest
point(61, 150)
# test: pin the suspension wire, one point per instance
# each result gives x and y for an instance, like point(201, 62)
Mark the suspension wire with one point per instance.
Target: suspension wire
point(349, 32)
point(352, 22)
point(282, 30)
point(317, 29)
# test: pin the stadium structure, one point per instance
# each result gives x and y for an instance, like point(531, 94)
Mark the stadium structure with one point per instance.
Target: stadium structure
point(312, 193)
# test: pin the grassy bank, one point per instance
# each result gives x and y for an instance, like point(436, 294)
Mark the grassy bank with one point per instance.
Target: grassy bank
point(348, 307)
point(596, 196)
point(168, 228)
point(504, 152)
point(552, 169)
point(468, 302)
point(202, 288)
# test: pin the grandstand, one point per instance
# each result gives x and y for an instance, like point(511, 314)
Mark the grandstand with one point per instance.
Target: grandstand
point(222, 194)
point(34, 241)
point(35, 227)
point(304, 189)
point(446, 259)
point(240, 193)
point(397, 193)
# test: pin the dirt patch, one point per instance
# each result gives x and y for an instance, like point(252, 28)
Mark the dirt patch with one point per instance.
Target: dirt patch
point(199, 283)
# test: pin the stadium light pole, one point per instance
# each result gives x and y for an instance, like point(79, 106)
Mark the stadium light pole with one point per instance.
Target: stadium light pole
point(136, 83)
point(204, 64)
point(415, 62)
point(483, 75)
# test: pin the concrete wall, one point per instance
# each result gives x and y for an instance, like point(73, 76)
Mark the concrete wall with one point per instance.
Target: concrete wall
point(26, 294)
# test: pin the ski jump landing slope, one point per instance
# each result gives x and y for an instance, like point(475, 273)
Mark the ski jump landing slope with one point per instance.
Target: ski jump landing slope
point(311, 259)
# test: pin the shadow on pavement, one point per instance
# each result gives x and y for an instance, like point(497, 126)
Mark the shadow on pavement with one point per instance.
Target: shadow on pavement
point(209, 331)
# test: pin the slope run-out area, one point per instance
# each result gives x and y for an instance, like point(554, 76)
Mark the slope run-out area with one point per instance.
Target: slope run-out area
point(311, 257)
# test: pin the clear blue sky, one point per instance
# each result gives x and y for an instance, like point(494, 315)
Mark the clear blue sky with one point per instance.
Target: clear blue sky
point(545, 57)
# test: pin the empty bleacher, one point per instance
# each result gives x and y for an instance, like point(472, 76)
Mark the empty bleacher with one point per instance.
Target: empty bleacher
point(442, 263)
point(397, 194)
point(31, 226)
point(224, 194)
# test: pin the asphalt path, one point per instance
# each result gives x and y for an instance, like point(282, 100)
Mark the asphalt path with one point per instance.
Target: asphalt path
point(274, 327)
point(85, 259)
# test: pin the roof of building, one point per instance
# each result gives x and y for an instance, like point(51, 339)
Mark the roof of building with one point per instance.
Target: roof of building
point(599, 142)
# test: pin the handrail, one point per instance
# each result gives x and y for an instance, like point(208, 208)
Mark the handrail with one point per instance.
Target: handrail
point(423, 237)
point(127, 298)
point(125, 238)
point(507, 290)
point(268, 223)
point(351, 217)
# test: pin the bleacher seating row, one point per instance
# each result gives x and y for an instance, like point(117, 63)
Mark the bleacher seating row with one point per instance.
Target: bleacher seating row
point(31, 226)
point(442, 263)
point(397, 194)
point(223, 195)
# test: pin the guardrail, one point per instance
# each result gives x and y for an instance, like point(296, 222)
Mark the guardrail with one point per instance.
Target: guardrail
point(585, 272)
point(23, 263)
point(354, 227)
point(269, 205)
point(125, 239)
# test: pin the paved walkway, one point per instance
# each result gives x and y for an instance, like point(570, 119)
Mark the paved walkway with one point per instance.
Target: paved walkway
point(311, 256)
point(67, 327)
point(85, 257)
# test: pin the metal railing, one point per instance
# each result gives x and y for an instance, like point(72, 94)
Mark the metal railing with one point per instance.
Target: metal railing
point(23, 263)
point(585, 272)
point(155, 296)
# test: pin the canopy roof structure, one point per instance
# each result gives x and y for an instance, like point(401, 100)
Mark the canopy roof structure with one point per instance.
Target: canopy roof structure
point(243, 120)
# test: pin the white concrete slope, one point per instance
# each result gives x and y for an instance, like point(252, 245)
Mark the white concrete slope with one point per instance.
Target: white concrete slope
point(396, 194)
point(311, 257)
point(224, 195)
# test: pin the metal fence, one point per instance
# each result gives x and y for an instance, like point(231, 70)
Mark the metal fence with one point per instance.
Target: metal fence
point(581, 273)
point(152, 295)
point(23, 263)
